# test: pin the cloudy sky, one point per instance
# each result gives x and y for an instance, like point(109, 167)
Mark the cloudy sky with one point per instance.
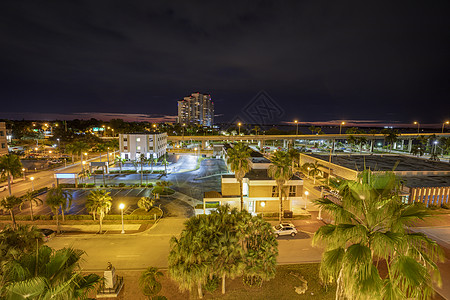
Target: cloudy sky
point(316, 60)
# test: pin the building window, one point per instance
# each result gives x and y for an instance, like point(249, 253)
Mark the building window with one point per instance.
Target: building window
point(125, 139)
point(138, 148)
point(274, 191)
point(3, 146)
point(138, 139)
point(292, 190)
point(1, 133)
point(125, 147)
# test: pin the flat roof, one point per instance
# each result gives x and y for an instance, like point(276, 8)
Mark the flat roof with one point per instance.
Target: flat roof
point(384, 162)
point(258, 174)
point(426, 181)
point(260, 160)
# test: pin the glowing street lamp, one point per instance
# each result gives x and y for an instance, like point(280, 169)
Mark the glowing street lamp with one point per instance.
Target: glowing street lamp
point(262, 208)
point(122, 206)
point(418, 126)
point(296, 123)
point(23, 171)
point(32, 185)
point(340, 127)
point(443, 124)
point(306, 198)
point(239, 126)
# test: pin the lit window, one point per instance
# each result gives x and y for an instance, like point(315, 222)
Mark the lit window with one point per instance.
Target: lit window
point(138, 139)
point(138, 148)
point(292, 190)
point(274, 191)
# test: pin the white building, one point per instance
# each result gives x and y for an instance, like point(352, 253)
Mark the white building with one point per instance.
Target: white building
point(3, 142)
point(132, 145)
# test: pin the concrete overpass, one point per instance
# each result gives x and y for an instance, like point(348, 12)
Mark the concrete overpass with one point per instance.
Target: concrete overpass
point(205, 139)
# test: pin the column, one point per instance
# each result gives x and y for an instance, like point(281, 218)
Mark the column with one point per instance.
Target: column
point(409, 145)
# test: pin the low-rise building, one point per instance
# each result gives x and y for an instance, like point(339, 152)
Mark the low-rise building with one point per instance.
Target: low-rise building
point(3, 141)
point(151, 144)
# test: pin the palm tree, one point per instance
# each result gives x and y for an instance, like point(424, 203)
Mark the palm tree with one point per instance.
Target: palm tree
point(120, 161)
point(146, 203)
point(239, 161)
point(280, 170)
point(152, 161)
point(142, 161)
point(70, 148)
point(294, 155)
point(100, 148)
point(149, 281)
point(163, 184)
point(79, 148)
point(370, 229)
point(9, 204)
point(99, 202)
point(390, 135)
point(10, 166)
point(32, 197)
point(56, 199)
point(47, 274)
point(312, 168)
point(17, 241)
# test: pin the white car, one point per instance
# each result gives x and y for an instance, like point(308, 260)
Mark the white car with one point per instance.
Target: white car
point(285, 229)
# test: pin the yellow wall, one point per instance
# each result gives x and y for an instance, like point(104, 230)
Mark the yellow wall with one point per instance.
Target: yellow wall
point(272, 206)
point(230, 189)
point(260, 191)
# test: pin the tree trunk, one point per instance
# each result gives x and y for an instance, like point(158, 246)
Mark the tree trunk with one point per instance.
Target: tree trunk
point(199, 289)
point(62, 213)
point(281, 202)
point(120, 165)
point(223, 283)
point(100, 157)
point(141, 172)
point(13, 218)
point(31, 210)
point(103, 175)
point(57, 221)
point(9, 183)
point(101, 221)
point(241, 194)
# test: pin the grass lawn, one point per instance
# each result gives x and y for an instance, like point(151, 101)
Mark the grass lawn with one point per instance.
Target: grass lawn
point(143, 212)
point(159, 190)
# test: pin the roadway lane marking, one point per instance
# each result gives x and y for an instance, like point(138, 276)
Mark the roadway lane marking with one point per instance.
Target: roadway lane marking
point(117, 193)
point(140, 192)
point(129, 192)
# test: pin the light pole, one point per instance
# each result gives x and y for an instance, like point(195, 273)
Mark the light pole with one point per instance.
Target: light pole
point(296, 123)
point(239, 126)
point(443, 125)
point(32, 185)
point(122, 206)
point(23, 171)
point(306, 198)
point(418, 126)
point(340, 127)
point(262, 211)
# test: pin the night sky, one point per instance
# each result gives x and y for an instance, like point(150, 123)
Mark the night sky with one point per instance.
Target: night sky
point(381, 61)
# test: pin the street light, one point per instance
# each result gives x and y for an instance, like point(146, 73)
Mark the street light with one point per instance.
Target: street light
point(418, 126)
point(23, 171)
point(443, 124)
point(239, 125)
point(262, 205)
point(340, 127)
point(296, 123)
point(306, 198)
point(32, 185)
point(122, 206)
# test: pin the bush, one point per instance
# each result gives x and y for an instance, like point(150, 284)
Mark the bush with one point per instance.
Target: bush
point(433, 206)
point(445, 206)
point(208, 205)
point(252, 280)
point(67, 185)
point(212, 284)
point(121, 184)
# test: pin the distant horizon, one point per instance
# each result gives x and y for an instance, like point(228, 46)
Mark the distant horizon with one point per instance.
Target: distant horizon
point(155, 118)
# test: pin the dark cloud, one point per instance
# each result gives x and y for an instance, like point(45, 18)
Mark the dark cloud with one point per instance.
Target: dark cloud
point(383, 60)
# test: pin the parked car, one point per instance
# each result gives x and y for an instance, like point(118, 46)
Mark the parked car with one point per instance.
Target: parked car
point(47, 234)
point(285, 229)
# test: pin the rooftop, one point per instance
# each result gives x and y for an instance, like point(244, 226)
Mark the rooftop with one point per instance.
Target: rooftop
point(427, 181)
point(257, 174)
point(385, 162)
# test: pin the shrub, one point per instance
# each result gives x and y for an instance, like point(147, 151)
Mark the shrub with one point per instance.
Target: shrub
point(212, 284)
point(67, 185)
point(252, 280)
point(445, 206)
point(121, 184)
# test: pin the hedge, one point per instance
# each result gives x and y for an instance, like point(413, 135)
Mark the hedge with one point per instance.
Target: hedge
point(77, 217)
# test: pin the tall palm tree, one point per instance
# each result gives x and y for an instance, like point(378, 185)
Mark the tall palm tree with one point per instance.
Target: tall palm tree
point(10, 166)
point(55, 200)
point(238, 159)
point(281, 171)
point(14, 242)
point(47, 274)
point(119, 160)
point(313, 168)
point(79, 148)
point(99, 202)
point(370, 230)
point(32, 197)
point(149, 281)
point(100, 148)
point(70, 148)
point(9, 204)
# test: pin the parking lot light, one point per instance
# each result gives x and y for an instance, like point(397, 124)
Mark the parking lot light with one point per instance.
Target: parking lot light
point(306, 198)
point(32, 185)
point(23, 171)
point(122, 206)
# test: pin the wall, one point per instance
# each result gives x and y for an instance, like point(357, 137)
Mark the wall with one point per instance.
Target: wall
point(3, 143)
point(336, 170)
